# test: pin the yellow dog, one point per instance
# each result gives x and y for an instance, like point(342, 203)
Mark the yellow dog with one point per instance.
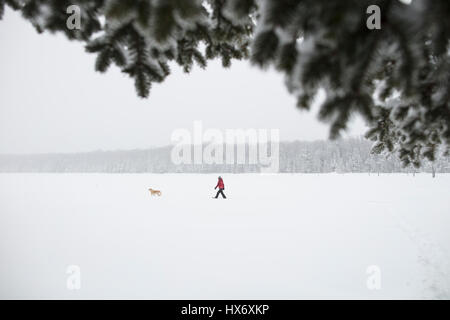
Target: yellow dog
point(153, 192)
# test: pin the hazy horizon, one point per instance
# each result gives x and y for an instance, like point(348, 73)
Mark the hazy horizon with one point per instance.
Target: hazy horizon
point(168, 146)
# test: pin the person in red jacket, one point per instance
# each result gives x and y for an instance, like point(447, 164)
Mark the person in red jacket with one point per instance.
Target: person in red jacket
point(221, 187)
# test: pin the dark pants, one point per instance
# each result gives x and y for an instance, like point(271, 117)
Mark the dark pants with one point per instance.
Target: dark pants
point(220, 192)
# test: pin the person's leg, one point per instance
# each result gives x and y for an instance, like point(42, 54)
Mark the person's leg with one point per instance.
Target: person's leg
point(223, 194)
point(217, 194)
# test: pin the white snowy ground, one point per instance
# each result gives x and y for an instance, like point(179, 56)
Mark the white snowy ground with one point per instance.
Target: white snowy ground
point(276, 237)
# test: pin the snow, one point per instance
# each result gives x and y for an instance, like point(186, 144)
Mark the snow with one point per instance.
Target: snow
point(280, 236)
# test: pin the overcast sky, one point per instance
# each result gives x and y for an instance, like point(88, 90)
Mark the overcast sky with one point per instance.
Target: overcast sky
point(52, 99)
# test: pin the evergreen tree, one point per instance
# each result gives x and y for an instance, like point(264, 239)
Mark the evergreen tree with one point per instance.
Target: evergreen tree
point(396, 77)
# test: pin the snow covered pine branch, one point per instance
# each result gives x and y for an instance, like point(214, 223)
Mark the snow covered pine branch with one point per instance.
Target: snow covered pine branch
point(396, 77)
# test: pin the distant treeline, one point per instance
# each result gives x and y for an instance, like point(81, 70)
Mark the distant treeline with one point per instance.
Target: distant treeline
point(346, 155)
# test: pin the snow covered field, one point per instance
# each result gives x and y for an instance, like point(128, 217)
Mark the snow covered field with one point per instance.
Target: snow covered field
point(276, 237)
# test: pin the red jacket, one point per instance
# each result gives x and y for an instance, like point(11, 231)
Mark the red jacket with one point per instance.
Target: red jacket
point(220, 184)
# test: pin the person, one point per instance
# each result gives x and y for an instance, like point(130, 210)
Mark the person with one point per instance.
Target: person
point(221, 187)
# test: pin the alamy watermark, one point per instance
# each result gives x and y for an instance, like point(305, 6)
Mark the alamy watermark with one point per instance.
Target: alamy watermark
point(374, 20)
point(73, 281)
point(374, 279)
point(214, 146)
point(73, 22)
